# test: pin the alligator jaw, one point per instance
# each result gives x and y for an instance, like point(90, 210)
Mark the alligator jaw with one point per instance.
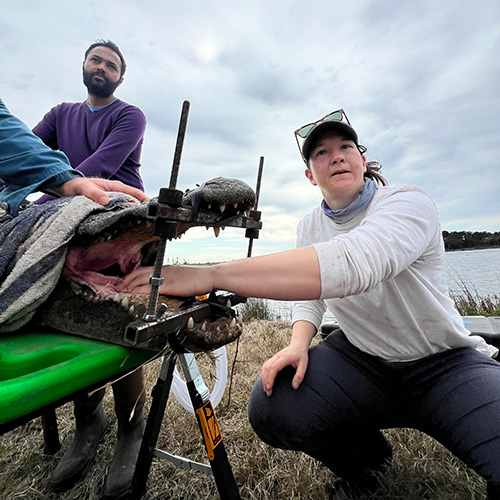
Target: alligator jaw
point(74, 308)
point(85, 301)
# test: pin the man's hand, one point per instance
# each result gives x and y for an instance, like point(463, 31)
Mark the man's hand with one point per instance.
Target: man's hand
point(95, 189)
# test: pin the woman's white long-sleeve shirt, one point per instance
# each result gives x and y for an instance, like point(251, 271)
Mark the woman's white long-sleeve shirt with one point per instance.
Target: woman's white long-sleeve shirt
point(382, 278)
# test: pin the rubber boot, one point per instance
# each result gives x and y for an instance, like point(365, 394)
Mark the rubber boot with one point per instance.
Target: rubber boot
point(91, 426)
point(118, 483)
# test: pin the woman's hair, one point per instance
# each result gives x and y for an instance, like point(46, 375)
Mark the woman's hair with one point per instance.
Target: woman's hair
point(373, 169)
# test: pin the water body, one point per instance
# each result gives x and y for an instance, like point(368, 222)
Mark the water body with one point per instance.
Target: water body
point(479, 270)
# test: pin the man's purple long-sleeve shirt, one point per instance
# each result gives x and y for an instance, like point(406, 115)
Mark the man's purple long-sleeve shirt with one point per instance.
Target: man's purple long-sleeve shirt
point(105, 143)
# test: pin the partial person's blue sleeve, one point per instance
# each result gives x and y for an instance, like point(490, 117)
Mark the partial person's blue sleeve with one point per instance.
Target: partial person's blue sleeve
point(26, 163)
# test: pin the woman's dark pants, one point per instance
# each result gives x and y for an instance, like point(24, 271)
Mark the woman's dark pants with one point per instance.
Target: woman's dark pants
point(347, 396)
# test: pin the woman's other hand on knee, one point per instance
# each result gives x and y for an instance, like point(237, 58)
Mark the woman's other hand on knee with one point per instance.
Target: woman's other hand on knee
point(298, 358)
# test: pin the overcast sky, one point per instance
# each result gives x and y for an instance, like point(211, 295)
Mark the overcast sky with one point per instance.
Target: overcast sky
point(420, 82)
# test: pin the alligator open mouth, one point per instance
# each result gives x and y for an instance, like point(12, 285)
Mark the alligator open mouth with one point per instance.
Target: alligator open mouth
point(108, 246)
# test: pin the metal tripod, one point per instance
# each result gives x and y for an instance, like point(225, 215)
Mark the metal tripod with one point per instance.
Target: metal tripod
point(219, 466)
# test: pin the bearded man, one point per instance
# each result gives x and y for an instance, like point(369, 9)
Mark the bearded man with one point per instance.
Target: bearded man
point(102, 137)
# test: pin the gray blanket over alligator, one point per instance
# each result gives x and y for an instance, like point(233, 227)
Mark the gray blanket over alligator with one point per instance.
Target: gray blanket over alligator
point(70, 253)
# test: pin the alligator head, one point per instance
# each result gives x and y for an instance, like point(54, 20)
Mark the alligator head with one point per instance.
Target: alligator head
point(109, 245)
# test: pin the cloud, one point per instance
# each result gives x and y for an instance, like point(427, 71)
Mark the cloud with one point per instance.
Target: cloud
point(419, 81)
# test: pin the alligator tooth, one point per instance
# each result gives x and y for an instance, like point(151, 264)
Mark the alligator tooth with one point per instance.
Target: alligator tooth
point(108, 237)
point(116, 298)
point(222, 207)
point(247, 213)
point(190, 323)
point(223, 227)
point(203, 327)
point(209, 205)
point(207, 227)
point(131, 309)
point(139, 222)
point(125, 302)
point(233, 323)
point(216, 231)
point(218, 330)
point(228, 303)
point(235, 204)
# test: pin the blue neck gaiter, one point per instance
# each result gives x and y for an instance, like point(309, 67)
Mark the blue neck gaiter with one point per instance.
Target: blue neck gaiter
point(361, 202)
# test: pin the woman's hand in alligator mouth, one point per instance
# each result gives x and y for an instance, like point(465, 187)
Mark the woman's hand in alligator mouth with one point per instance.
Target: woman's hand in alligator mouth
point(137, 281)
point(180, 281)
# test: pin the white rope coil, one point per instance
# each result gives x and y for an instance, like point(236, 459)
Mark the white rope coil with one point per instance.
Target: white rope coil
point(179, 387)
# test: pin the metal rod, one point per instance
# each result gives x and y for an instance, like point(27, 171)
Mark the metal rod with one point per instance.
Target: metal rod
point(180, 143)
point(257, 194)
point(156, 278)
point(259, 179)
point(250, 247)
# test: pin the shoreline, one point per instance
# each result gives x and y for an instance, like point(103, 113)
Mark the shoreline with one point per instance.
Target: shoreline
point(471, 248)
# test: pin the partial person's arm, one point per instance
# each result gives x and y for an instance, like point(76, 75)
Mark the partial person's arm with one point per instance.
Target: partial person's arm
point(26, 163)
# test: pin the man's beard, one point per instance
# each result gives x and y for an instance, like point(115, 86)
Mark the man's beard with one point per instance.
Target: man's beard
point(99, 88)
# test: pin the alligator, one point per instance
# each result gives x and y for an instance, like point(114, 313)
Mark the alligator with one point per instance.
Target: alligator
point(109, 245)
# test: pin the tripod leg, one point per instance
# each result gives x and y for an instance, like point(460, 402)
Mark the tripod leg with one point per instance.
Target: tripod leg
point(160, 394)
point(210, 430)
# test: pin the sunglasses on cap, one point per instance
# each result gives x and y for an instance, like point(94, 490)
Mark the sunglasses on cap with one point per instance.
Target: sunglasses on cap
point(302, 133)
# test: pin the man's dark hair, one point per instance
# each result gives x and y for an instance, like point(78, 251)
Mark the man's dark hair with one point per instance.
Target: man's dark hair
point(110, 45)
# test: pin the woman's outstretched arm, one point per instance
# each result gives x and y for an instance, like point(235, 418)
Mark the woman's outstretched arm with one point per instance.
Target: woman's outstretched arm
point(289, 275)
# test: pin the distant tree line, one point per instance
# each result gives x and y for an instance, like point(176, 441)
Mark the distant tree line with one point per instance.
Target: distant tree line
point(458, 240)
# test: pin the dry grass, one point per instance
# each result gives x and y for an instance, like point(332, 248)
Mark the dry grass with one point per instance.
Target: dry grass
point(469, 302)
point(421, 469)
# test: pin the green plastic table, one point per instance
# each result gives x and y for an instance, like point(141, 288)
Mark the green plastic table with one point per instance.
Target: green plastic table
point(41, 368)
